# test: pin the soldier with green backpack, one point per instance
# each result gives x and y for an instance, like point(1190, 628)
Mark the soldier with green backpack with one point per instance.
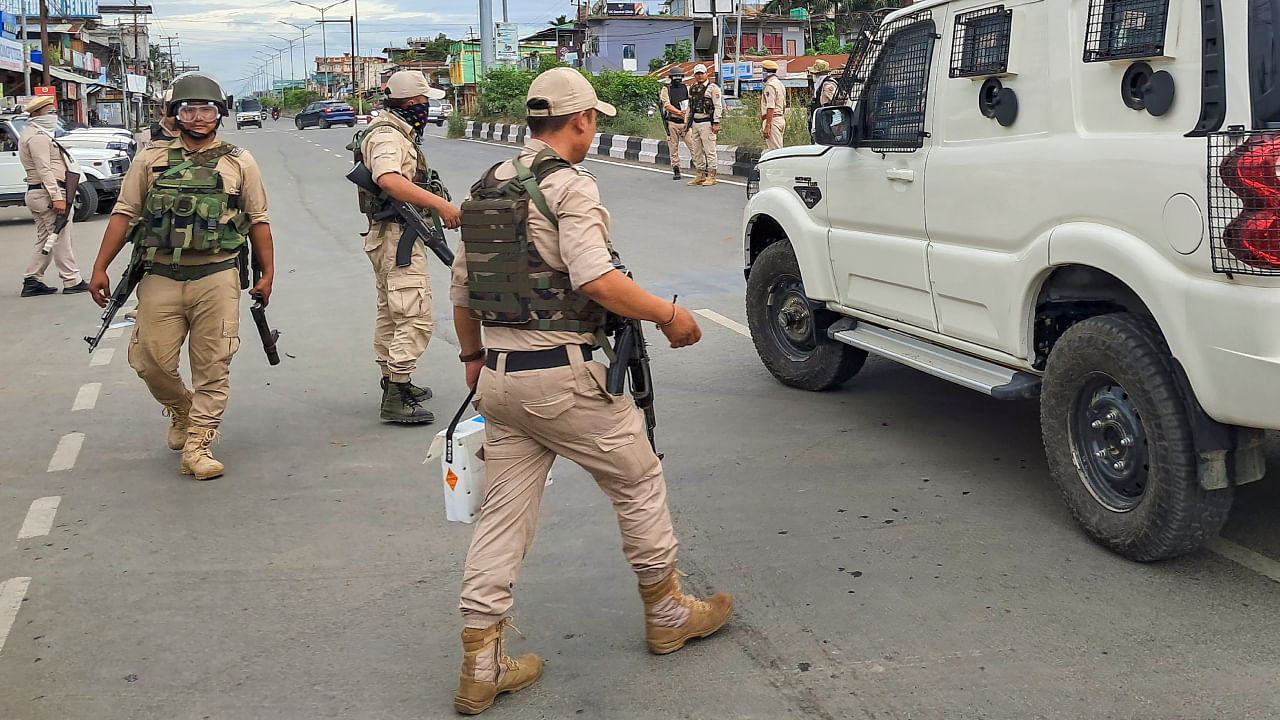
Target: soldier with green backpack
point(190, 206)
point(404, 325)
point(533, 283)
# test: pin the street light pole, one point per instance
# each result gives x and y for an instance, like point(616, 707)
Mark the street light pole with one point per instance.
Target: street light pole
point(293, 71)
point(304, 29)
point(324, 44)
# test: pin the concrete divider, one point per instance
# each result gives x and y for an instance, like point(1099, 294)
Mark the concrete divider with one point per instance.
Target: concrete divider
point(732, 160)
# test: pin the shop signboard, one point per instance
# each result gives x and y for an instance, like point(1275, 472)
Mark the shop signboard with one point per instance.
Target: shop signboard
point(44, 91)
point(77, 59)
point(8, 25)
point(135, 83)
point(61, 8)
point(10, 55)
point(508, 39)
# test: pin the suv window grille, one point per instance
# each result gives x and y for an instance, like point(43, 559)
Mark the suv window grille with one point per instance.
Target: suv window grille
point(980, 45)
point(1119, 29)
point(892, 106)
point(1244, 202)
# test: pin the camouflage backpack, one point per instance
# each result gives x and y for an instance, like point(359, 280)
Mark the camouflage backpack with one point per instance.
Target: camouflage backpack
point(509, 284)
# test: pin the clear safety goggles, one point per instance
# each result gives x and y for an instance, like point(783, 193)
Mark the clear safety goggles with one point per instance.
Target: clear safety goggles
point(194, 113)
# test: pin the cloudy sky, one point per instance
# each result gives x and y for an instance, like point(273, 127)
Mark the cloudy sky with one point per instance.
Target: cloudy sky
point(221, 36)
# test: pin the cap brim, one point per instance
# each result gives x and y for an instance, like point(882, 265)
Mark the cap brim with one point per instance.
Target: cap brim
point(435, 93)
point(606, 109)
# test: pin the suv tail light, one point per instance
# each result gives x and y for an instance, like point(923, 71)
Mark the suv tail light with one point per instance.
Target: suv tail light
point(1244, 207)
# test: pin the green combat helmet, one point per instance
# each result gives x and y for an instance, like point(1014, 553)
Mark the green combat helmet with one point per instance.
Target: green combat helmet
point(195, 86)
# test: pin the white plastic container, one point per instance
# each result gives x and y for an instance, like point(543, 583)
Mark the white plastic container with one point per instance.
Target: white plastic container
point(464, 478)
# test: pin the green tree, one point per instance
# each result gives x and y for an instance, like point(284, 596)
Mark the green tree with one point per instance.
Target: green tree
point(634, 93)
point(656, 64)
point(502, 93)
point(561, 20)
point(682, 51)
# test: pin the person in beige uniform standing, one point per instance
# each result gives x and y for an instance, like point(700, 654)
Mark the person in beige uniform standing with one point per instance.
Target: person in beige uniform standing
point(706, 110)
point(191, 290)
point(529, 357)
point(404, 325)
point(773, 107)
point(674, 98)
point(46, 164)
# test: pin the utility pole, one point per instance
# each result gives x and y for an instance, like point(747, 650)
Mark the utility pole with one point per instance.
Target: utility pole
point(293, 72)
point(306, 83)
point(737, 61)
point(44, 40)
point(486, 36)
point(26, 52)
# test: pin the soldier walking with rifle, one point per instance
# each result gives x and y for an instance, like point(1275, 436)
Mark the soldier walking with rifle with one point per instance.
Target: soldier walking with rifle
point(51, 188)
point(194, 208)
point(536, 281)
point(388, 148)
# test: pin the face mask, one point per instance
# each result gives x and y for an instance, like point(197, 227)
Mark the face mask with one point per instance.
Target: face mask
point(45, 122)
point(415, 115)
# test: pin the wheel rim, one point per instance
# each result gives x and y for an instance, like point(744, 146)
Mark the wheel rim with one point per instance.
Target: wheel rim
point(1110, 444)
point(789, 314)
point(77, 202)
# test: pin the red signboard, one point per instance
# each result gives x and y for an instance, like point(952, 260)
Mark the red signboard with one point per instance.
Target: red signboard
point(44, 90)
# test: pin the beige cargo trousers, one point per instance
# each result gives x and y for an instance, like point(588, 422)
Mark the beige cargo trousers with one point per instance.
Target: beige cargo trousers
point(206, 313)
point(403, 325)
point(531, 417)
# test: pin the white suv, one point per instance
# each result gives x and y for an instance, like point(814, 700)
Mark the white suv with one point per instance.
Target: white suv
point(1070, 201)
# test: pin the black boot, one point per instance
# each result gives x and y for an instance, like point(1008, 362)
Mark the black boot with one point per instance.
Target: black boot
point(79, 287)
point(399, 405)
point(675, 172)
point(421, 394)
point(32, 287)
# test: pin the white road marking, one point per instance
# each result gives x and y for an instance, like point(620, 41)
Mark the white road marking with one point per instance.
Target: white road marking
point(666, 171)
point(101, 356)
point(87, 397)
point(64, 457)
point(1256, 562)
point(12, 592)
point(40, 517)
point(733, 325)
point(113, 333)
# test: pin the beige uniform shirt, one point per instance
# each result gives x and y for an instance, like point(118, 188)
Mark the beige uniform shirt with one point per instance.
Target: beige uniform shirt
point(386, 150)
point(827, 84)
point(43, 161)
point(664, 99)
point(240, 176)
point(775, 97)
point(717, 100)
point(577, 248)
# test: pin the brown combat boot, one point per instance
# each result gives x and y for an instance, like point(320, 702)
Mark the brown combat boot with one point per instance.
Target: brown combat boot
point(487, 671)
point(710, 179)
point(697, 179)
point(179, 422)
point(671, 618)
point(197, 458)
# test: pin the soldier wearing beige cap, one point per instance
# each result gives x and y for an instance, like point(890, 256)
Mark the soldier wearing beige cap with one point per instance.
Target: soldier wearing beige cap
point(403, 325)
point(706, 110)
point(541, 392)
point(46, 164)
point(773, 107)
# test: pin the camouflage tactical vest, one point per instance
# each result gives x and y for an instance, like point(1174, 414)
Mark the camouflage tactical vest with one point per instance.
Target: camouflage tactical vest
point(509, 283)
point(424, 177)
point(700, 102)
point(183, 209)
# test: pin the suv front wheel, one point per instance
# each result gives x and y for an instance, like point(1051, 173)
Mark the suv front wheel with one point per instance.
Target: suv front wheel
point(1118, 440)
point(786, 326)
point(85, 203)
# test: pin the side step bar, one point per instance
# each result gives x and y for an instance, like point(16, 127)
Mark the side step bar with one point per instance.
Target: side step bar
point(974, 373)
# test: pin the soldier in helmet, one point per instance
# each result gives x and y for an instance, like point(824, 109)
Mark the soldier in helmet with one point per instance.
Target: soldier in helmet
point(188, 205)
point(403, 327)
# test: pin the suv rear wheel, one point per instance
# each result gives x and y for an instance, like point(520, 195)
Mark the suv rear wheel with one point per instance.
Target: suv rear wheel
point(786, 330)
point(1119, 444)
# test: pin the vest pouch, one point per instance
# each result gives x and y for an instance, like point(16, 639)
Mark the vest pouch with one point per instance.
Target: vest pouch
point(157, 220)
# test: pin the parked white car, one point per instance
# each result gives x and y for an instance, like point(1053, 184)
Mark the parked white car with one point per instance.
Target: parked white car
point(1075, 202)
point(101, 170)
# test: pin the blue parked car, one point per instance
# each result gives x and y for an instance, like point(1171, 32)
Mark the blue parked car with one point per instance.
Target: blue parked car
point(326, 113)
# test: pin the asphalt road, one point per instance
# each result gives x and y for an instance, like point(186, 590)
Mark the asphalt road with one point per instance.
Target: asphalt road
point(896, 549)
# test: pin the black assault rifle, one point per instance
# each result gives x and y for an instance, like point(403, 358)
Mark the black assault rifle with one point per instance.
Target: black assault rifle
point(631, 360)
point(71, 185)
point(258, 310)
point(132, 276)
point(415, 226)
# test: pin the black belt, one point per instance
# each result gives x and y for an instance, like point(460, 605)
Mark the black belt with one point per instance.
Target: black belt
point(536, 359)
point(39, 186)
point(703, 120)
point(187, 273)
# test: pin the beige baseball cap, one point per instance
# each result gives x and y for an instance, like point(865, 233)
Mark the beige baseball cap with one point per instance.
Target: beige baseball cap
point(567, 92)
point(39, 103)
point(699, 68)
point(411, 83)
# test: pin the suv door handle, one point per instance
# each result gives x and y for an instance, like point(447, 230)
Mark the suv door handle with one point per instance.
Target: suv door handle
point(901, 175)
